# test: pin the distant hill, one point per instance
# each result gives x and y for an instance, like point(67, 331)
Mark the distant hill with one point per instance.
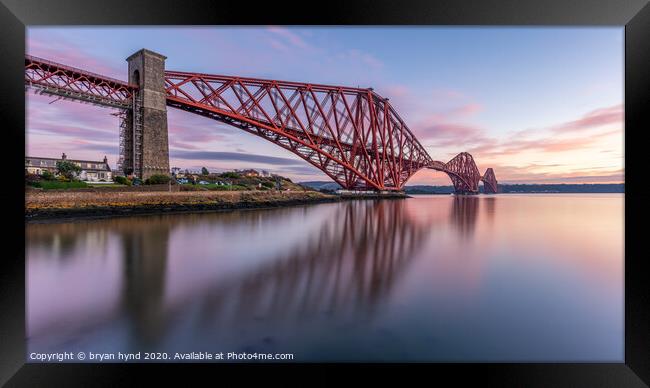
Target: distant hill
point(528, 188)
point(425, 189)
point(564, 188)
point(320, 185)
point(503, 188)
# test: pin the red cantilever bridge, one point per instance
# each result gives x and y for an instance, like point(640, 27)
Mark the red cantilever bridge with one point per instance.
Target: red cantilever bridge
point(353, 135)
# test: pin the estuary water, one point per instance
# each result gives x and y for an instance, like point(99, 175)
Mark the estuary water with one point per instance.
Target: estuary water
point(530, 277)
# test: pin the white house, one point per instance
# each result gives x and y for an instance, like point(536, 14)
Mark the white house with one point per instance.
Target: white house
point(91, 170)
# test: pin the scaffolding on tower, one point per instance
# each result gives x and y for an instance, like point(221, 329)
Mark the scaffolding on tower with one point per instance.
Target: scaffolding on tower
point(123, 161)
point(130, 159)
point(137, 135)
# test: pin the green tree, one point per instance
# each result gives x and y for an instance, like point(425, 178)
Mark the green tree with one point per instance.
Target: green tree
point(67, 169)
point(204, 171)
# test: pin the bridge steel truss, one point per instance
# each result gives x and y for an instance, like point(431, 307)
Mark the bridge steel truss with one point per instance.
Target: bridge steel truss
point(490, 185)
point(71, 83)
point(465, 176)
point(351, 134)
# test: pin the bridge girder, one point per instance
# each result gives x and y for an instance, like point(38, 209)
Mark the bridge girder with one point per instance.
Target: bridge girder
point(353, 135)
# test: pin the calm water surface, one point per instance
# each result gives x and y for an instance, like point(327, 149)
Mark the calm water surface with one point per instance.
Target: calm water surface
point(431, 278)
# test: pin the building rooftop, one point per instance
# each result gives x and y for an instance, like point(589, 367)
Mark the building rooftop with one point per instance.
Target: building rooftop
point(29, 161)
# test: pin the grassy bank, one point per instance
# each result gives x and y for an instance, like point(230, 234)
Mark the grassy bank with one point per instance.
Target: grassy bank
point(212, 186)
point(58, 185)
point(61, 204)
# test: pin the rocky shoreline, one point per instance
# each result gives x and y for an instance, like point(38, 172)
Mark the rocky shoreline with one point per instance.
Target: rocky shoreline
point(60, 206)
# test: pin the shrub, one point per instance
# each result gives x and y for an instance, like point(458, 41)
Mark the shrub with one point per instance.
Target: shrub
point(248, 181)
point(32, 179)
point(122, 180)
point(47, 175)
point(157, 179)
point(230, 175)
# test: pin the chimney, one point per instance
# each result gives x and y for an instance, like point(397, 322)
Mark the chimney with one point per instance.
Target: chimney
point(63, 156)
point(105, 159)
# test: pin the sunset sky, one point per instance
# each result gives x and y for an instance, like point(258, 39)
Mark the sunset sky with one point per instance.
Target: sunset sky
point(539, 105)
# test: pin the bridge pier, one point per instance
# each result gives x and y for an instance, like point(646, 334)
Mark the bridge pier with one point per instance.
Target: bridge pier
point(144, 137)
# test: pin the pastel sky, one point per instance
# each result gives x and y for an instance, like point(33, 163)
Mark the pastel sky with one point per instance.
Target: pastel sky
point(539, 105)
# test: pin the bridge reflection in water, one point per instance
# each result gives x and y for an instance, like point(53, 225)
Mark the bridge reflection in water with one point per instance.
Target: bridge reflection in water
point(432, 278)
point(345, 266)
point(340, 269)
point(464, 211)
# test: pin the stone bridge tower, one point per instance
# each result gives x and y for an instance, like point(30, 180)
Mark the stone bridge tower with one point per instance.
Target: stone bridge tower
point(145, 148)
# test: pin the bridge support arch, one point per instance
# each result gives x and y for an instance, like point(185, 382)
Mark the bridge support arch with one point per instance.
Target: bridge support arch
point(464, 174)
point(144, 143)
point(490, 184)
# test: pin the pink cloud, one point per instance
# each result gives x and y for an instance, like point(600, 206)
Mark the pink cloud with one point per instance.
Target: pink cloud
point(465, 110)
point(549, 145)
point(67, 53)
point(175, 144)
point(447, 94)
point(187, 130)
point(396, 91)
point(363, 57)
point(529, 174)
point(81, 131)
point(402, 98)
point(443, 129)
point(278, 46)
point(455, 113)
point(289, 36)
point(594, 119)
point(546, 140)
point(70, 119)
point(448, 132)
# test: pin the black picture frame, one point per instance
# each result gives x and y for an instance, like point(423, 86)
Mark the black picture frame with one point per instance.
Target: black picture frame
point(15, 15)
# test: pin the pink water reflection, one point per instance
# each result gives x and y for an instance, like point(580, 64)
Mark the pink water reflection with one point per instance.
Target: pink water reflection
point(431, 278)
